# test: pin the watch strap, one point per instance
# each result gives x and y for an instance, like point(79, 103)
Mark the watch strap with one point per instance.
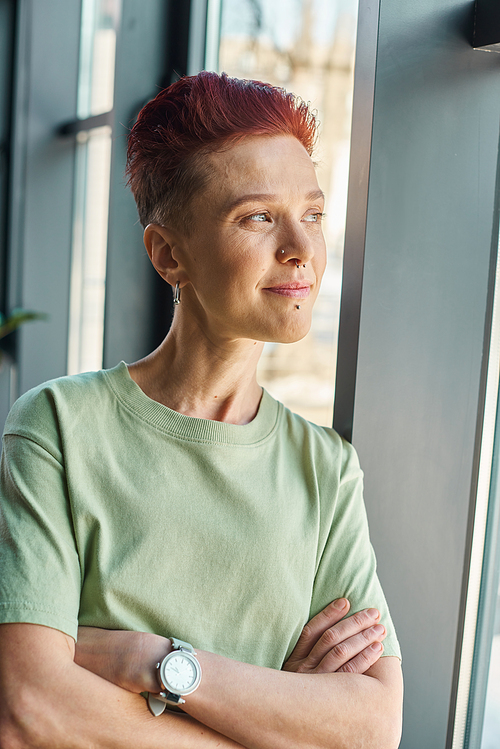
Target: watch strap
point(181, 645)
point(158, 703)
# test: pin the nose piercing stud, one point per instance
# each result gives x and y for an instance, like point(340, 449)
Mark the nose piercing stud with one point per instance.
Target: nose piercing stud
point(282, 252)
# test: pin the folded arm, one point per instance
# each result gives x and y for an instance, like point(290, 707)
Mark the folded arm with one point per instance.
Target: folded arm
point(50, 702)
point(268, 709)
point(332, 692)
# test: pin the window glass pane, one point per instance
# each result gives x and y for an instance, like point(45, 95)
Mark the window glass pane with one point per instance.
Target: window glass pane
point(93, 161)
point(305, 46)
point(491, 727)
point(88, 265)
point(483, 724)
point(97, 57)
point(478, 694)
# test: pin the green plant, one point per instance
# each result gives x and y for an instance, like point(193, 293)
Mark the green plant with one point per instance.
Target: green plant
point(16, 318)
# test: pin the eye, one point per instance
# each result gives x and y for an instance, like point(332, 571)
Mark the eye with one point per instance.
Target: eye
point(314, 218)
point(259, 217)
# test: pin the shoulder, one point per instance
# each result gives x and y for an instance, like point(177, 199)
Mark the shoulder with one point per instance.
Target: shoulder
point(320, 445)
point(40, 410)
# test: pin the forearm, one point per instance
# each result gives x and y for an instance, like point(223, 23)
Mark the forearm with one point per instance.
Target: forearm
point(92, 712)
point(262, 708)
point(50, 702)
point(267, 709)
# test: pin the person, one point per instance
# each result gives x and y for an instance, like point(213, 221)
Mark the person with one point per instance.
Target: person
point(172, 512)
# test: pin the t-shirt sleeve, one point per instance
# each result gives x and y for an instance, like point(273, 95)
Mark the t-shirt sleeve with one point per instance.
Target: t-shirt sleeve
point(40, 579)
point(347, 565)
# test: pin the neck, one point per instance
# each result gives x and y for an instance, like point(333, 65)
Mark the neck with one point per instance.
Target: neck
point(202, 377)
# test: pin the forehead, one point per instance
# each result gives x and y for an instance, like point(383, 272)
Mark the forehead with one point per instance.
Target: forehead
point(277, 165)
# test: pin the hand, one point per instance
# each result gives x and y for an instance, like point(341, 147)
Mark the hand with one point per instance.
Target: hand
point(127, 659)
point(329, 643)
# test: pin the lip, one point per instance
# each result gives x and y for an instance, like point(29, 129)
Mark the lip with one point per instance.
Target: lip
point(294, 289)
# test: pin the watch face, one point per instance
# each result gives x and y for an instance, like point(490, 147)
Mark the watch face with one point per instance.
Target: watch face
point(180, 673)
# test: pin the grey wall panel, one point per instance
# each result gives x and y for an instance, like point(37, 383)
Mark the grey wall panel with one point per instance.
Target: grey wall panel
point(6, 374)
point(133, 310)
point(42, 193)
point(425, 283)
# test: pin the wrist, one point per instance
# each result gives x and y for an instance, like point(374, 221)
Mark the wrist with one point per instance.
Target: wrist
point(178, 675)
point(142, 674)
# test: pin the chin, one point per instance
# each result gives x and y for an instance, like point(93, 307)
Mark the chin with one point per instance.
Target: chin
point(291, 335)
point(291, 338)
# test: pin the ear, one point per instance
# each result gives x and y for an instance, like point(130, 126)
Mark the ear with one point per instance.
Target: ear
point(164, 247)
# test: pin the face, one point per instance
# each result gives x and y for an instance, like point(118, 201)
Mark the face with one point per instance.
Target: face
point(256, 221)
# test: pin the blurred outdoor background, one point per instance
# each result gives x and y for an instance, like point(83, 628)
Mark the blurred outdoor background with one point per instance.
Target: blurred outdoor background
point(306, 47)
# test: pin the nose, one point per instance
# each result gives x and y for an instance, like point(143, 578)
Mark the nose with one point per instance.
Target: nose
point(295, 260)
point(296, 248)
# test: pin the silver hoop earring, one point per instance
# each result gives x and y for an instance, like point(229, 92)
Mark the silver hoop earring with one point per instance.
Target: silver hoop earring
point(177, 294)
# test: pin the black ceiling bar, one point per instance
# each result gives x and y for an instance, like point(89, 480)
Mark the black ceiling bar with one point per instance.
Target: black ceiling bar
point(486, 33)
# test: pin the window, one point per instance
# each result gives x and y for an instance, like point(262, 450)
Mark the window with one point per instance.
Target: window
point(307, 47)
point(477, 722)
point(483, 718)
point(93, 162)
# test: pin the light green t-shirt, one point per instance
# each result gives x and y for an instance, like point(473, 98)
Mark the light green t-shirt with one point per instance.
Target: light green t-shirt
point(120, 513)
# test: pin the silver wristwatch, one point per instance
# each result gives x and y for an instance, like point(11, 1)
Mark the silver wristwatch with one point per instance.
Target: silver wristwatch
point(179, 674)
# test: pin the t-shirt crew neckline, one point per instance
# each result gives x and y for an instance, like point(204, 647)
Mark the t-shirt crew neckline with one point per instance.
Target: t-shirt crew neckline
point(192, 428)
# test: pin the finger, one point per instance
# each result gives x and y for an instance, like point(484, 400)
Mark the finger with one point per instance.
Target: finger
point(348, 650)
point(334, 638)
point(318, 625)
point(364, 660)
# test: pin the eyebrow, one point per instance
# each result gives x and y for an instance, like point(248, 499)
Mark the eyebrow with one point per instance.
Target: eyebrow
point(255, 197)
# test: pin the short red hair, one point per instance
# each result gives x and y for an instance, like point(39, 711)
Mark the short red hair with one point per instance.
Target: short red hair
point(192, 117)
